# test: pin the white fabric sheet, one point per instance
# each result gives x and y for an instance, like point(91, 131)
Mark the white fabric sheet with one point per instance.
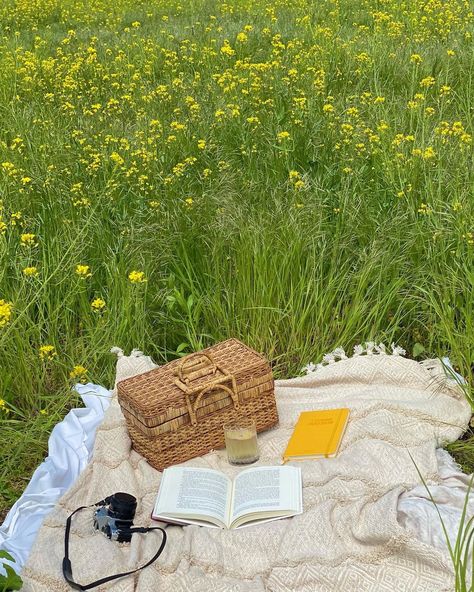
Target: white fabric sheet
point(70, 448)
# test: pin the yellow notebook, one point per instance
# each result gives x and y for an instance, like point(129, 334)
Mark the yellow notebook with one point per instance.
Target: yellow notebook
point(317, 434)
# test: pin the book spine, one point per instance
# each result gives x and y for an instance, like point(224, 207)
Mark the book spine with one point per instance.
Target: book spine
point(334, 433)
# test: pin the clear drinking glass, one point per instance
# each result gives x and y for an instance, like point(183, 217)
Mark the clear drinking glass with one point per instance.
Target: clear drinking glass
point(241, 441)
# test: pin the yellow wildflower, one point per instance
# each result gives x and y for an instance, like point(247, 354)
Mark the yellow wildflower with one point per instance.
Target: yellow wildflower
point(281, 136)
point(115, 157)
point(226, 49)
point(299, 185)
point(429, 153)
point(416, 58)
point(201, 144)
point(98, 304)
point(28, 239)
point(15, 217)
point(78, 373)
point(5, 312)
point(137, 277)
point(47, 352)
point(83, 271)
point(424, 209)
point(189, 201)
point(30, 271)
point(427, 82)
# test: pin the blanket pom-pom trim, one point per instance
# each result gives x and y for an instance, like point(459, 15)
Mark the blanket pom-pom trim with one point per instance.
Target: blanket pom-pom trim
point(369, 349)
point(117, 351)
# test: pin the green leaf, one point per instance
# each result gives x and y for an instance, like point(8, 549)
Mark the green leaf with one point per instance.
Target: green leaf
point(190, 302)
point(11, 581)
point(181, 347)
point(418, 349)
point(5, 555)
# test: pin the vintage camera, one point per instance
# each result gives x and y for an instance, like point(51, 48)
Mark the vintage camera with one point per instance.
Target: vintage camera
point(115, 518)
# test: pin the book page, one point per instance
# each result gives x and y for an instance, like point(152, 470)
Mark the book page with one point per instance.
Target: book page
point(192, 492)
point(266, 489)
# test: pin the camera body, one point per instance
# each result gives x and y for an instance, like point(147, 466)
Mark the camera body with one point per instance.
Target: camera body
point(115, 518)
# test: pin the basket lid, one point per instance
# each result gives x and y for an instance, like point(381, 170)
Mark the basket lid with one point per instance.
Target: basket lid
point(160, 395)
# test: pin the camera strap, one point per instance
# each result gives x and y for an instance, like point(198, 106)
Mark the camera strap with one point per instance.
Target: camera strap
point(67, 566)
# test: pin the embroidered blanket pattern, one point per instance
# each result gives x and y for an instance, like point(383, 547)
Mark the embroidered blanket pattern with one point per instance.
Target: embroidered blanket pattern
point(348, 538)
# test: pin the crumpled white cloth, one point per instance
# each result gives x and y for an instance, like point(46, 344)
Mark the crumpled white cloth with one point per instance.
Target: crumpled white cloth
point(70, 449)
point(417, 512)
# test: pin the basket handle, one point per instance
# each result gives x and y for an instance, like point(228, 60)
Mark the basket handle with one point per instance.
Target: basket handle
point(192, 408)
point(185, 366)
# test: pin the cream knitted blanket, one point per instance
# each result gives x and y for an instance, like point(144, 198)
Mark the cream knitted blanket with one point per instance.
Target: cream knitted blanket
point(348, 538)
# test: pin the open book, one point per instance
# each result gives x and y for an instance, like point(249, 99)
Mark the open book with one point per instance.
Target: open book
point(210, 498)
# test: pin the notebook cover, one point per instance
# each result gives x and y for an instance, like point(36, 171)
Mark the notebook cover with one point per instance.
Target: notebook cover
point(317, 434)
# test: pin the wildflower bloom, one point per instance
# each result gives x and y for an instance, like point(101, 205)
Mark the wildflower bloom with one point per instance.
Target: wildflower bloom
point(281, 136)
point(226, 49)
point(424, 209)
point(427, 82)
point(416, 58)
point(3, 227)
point(5, 312)
point(28, 239)
point(429, 153)
point(47, 352)
point(201, 144)
point(115, 157)
point(83, 271)
point(78, 373)
point(3, 406)
point(137, 277)
point(98, 304)
point(30, 271)
point(15, 218)
point(189, 201)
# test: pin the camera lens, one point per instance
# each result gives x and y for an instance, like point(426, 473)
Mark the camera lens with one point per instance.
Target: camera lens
point(123, 506)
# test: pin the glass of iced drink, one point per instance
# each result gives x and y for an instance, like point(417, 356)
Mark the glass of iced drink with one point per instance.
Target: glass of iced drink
point(241, 441)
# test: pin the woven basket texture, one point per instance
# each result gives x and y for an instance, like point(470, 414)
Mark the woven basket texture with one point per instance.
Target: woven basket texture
point(176, 412)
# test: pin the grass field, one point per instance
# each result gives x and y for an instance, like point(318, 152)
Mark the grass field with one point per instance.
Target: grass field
point(297, 174)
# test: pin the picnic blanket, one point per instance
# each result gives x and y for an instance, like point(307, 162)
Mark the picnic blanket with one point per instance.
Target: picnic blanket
point(348, 537)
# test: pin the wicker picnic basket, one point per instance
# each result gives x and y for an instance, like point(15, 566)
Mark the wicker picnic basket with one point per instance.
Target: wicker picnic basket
point(176, 412)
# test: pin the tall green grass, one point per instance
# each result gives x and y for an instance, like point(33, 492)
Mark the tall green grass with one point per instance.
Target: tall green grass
point(375, 243)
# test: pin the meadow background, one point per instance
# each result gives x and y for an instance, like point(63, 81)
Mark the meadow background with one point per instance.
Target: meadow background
point(297, 174)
